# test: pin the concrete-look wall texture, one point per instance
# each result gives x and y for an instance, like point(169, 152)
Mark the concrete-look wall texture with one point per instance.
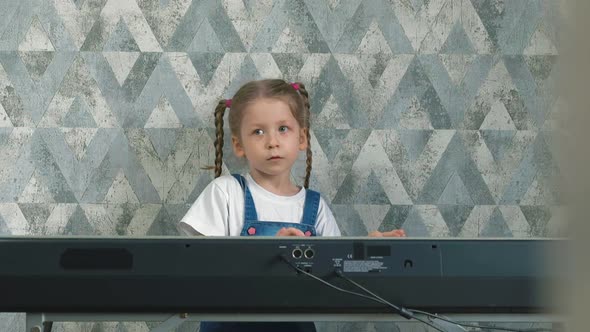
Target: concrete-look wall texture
point(435, 116)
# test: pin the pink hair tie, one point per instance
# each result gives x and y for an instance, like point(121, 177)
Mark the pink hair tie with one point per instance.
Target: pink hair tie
point(295, 86)
point(228, 103)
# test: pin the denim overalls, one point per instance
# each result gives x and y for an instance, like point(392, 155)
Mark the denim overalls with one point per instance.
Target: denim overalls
point(254, 227)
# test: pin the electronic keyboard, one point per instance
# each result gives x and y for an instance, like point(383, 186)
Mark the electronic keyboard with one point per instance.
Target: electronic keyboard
point(274, 275)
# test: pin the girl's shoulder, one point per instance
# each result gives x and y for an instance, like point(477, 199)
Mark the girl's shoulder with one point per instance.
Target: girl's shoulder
point(224, 187)
point(225, 183)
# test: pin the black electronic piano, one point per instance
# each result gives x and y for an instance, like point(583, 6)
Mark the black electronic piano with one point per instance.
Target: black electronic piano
point(274, 275)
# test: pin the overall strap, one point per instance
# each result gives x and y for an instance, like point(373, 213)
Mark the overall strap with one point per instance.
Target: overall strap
point(249, 207)
point(310, 208)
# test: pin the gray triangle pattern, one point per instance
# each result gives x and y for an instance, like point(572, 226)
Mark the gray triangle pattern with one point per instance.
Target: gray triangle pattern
point(78, 224)
point(395, 218)
point(163, 140)
point(79, 3)
point(361, 191)
point(415, 225)
point(496, 226)
point(456, 160)
point(350, 222)
point(47, 178)
point(538, 218)
point(455, 216)
point(201, 183)
point(455, 192)
point(205, 40)
point(37, 62)
point(331, 141)
point(206, 64)
point(296, 14)
point(4, 229)
point(78, 116)
point(424, 116)
point(498, 142)
point(120, 162)
point(458, 41)
point(290, 64)
point(163, 225)
point(416, 104)
point(36, 215)
point(377, 68)
point(414, 142)
point(121, 40)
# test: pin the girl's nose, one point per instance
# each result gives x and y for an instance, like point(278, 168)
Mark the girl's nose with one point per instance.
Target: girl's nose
point(273, 142)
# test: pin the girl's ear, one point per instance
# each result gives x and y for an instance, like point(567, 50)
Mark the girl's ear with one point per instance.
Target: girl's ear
point(303, 143)
point(238, 148)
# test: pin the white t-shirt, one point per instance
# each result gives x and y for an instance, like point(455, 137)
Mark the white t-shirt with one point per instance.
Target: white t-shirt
point(219, 210)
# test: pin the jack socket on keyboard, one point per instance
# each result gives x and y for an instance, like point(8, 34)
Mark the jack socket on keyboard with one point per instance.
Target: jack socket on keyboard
point(297, 253)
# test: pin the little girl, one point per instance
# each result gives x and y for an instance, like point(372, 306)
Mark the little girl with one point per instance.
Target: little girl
point(269, 124)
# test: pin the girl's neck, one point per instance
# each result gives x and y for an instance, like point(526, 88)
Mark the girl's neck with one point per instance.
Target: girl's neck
point(277, 184)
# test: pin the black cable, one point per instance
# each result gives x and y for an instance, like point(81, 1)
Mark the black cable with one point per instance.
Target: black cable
point(403, 312)
point(478, 326)
point(284, 259)
point(340, 274)
point(406, 313)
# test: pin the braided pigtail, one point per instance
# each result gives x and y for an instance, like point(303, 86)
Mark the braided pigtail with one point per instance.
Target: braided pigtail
point(219, 111)
point(307, 116)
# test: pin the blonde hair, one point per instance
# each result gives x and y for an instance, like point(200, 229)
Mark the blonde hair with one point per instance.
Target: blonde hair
point(293, 94)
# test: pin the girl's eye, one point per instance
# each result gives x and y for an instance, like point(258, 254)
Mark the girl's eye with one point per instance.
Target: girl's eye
point(258, 132)
point(283, 129)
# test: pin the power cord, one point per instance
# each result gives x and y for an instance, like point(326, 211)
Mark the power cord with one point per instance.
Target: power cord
point(406, 313)
point(340, 274)
point(443, 318)
point(403, 312)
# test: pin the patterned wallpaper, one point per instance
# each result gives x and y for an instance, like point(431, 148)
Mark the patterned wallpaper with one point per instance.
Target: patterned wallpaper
point(431, 115)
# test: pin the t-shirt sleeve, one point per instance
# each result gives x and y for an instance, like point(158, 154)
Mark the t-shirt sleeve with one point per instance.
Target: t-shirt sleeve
point(326, 224)
point(208, 215)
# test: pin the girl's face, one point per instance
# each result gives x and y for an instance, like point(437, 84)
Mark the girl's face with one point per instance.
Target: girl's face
point(270, 137)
